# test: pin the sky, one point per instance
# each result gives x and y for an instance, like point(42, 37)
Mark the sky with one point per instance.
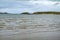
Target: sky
point(19, 6)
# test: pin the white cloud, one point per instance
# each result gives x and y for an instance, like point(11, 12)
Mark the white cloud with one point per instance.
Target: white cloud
point(42, 2)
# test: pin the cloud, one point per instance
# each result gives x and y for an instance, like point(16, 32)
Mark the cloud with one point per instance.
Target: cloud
point(38, 0)
point(18, 6)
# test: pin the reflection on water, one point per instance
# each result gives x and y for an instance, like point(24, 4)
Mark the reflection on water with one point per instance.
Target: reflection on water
point(43, 21)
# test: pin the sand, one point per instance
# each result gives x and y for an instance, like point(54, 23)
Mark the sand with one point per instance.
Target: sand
point(29, 34)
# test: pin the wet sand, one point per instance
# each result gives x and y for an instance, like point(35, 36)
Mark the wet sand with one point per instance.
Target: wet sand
point(30, 35)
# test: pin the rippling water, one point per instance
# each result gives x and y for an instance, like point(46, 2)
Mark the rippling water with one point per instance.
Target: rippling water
point(41, 21)
point(29, 27)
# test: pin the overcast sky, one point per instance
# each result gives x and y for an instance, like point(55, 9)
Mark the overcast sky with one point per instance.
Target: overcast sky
point(18, 6)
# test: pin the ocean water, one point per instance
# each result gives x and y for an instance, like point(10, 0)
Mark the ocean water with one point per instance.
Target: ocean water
point(29, 27)
point(41, 21)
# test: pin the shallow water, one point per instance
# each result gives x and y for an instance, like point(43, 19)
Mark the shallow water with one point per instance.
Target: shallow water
point(29, 27)
point(44, 21)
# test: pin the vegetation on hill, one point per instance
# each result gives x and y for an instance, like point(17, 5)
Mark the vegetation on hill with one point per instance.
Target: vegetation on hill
point(25, 13)
point(46, 13)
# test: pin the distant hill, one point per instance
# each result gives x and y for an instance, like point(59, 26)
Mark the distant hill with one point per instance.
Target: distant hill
point(33, 13)
point(25, 13)
point(46, 13)
point(3, 13)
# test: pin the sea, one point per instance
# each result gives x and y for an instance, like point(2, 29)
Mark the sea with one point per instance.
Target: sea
point(29, 27)
point(25, 21)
